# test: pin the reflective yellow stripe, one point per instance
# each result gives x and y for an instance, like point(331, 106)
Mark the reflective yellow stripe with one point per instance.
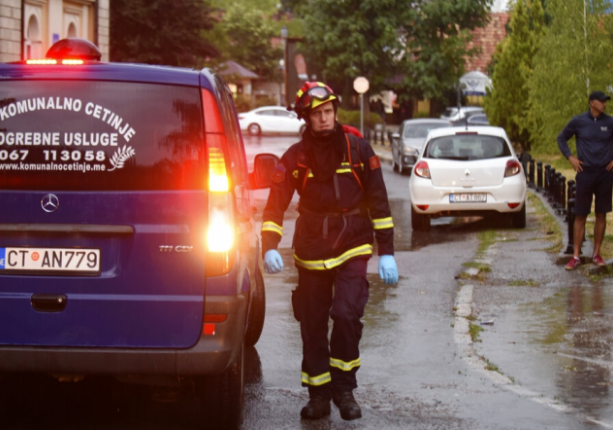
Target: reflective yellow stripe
point(271, 226)
point(344, 365)
point(333, 262)
point(324, 378)
point(382, 223)
point(343, 170)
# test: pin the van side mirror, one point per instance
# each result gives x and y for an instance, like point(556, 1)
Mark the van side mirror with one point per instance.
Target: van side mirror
point(263, 167)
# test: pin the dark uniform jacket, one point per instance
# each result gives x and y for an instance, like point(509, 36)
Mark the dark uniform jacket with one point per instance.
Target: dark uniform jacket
point(336, 223)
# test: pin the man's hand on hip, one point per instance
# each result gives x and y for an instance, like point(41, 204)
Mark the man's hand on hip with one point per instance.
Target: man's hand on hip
point(578, 164)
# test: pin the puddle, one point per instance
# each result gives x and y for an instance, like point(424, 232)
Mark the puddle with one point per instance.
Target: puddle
point(571, 335)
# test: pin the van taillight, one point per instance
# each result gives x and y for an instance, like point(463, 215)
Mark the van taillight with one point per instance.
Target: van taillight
point(218, 176)
point(221, 228)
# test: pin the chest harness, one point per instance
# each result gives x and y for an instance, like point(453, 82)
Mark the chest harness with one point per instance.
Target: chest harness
point(355, 166)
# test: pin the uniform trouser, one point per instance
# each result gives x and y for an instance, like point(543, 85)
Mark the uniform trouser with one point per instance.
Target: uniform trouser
point(340, 293)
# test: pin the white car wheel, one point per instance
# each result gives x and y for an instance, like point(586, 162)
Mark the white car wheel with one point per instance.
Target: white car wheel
point(254, 130)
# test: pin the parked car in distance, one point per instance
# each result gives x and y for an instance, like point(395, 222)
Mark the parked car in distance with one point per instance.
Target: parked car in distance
point(411, 136)
point(452, 113)
point(472, 118)
point(467, 172)
point(271, 119)
point(127, 236)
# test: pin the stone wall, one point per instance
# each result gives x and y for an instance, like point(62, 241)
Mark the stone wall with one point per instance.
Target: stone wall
point(10, 30)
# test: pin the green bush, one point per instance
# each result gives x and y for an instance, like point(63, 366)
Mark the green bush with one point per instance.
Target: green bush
point(421, 114)
point(352, 117)
point(243, 103)
point(265, 101)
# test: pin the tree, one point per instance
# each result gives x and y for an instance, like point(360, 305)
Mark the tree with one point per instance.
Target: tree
point(169, 32)
point(507, 103)
point(569, 65)
point(249, 37)
point(416, 48)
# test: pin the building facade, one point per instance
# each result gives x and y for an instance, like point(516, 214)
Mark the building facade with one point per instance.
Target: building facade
point(29, 27)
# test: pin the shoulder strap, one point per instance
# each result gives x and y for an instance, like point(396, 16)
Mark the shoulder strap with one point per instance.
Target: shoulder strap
point(353, 155)
point(303, 169)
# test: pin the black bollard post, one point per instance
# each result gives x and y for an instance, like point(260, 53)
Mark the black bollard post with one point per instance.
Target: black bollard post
point(552, 186)
point(539, 176)
point(531, 174)
point(556, 197)
point(571, 227)
point(570, 194)
point(562, 186)
point(546, 179)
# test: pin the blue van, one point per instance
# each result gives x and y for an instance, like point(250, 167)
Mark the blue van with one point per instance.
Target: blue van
point(127, 242)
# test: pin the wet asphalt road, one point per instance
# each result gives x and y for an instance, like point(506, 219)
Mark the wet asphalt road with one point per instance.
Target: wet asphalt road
point(548, 335)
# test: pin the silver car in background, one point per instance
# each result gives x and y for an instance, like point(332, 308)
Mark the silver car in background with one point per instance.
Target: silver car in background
point(407, 143)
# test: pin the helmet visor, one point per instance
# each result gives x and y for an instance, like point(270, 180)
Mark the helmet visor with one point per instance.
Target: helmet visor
point(315, 96)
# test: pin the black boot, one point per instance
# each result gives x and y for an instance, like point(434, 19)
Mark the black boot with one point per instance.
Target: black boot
point(318, 407)
point(349, 408)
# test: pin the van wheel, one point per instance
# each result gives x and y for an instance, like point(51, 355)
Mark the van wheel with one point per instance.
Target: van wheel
point(419, 222)
point(257, 310)
point(518, 219)
point(254, 130)
point(223, 397)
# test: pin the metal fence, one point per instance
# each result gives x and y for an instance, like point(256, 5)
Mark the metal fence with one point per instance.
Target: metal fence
point(558, 192)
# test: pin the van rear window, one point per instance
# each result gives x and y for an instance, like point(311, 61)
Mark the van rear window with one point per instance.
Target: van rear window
point(105, 136)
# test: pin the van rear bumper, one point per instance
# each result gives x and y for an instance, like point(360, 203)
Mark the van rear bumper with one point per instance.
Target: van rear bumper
point(212, 354)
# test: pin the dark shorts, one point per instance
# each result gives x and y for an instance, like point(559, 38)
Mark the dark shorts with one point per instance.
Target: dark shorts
point(597, 182)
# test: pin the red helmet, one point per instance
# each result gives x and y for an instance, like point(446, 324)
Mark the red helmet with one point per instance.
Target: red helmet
point(311, 95)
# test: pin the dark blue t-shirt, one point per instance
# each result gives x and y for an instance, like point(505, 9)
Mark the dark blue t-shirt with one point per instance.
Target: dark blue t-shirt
point(594, 138)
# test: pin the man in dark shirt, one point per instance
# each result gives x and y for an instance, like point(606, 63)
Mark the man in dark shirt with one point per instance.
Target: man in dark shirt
point(593, 131)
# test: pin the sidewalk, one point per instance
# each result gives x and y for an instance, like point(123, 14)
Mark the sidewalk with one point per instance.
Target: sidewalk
point(541, 331)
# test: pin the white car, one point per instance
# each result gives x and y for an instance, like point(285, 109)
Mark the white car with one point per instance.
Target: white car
point(467, 171)
point(270, 119)
point(451, 113)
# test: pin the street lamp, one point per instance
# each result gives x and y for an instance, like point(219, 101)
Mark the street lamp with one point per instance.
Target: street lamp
point(284, 34)
point(360, 85)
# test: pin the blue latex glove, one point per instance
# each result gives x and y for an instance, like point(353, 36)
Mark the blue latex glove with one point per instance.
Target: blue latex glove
point(388, 271)
point(273, 263)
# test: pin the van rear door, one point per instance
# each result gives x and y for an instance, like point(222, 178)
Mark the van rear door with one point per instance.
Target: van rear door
point(103, 214)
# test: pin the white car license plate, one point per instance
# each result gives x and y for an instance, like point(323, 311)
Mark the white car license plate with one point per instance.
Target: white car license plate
point(50, 259)
point(468, 198)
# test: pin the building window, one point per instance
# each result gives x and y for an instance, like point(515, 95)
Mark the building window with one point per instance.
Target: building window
point(32, 40)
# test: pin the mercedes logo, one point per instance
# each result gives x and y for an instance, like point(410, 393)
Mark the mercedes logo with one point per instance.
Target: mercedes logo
point(467, 172)
point(50, 203)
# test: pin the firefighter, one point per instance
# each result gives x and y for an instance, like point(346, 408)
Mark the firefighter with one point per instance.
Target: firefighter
point(343, 205)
